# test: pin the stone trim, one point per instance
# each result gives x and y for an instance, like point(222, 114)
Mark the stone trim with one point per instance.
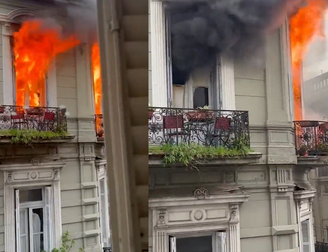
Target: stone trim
point(27, 175)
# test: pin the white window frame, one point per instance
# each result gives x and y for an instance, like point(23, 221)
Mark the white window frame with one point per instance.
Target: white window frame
point(9, 83)
point(308, 243)
point(219, 239)
point(31, 173)
point(102, 176)
point(46, 204)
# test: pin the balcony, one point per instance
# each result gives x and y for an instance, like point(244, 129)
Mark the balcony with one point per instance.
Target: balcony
point(32, 124)
point(311, 138)
point(99, 126)
point(197, 134)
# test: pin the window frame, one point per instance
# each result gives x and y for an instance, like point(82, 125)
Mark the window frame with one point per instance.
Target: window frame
point(102, 177)
point(9, 83)
point(24, 173)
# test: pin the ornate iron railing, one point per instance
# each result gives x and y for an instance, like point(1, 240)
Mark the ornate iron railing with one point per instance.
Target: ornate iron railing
point(99, 125)
point(311, 137)
point(33, 118)
point(201, 126)
point(321, 247)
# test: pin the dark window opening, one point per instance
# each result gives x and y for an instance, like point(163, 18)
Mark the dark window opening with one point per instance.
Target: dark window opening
point(194, 244)
point(201, 97)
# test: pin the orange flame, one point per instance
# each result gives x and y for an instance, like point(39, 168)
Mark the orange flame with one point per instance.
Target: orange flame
point(34, 48)
point(95, 57)
point(303, 26)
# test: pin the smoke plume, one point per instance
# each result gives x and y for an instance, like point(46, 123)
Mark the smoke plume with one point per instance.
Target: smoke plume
point(202, 30)
point(78, 18)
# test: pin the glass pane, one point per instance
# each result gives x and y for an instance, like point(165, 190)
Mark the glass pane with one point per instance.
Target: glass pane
point(201, 97)
point(37, 220)
point(305, 231)
point(102, 186)
point(194, 244)
point(23, 222)
point(38, 243)
point(306, 248)
point(23, 244)
point(30, 195)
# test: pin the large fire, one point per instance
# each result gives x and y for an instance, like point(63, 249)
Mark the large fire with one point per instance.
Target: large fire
point(35, 46)
point(95, 58)
point(307, 23)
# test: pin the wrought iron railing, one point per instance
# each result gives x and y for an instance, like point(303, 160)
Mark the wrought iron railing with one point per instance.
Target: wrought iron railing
point(99, 125)
point(311, 138)
point(201, 126)
point(321, 247)
point(33, 118)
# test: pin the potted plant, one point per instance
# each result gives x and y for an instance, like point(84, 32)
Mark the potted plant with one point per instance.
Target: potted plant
point(201, 114)
point(323, 149)
point(303, 150)
point(150, 112)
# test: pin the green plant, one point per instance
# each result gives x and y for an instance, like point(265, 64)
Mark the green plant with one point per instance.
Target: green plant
point(190, 155)
point(67, 244)
point(323, 147)
point(204, 108)
point(26, 136)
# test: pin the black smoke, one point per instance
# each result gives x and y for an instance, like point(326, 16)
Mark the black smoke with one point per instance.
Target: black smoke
point(200, 30)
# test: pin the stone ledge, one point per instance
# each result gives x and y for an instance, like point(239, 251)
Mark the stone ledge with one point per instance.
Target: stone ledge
point(155, 160)
point(313, 161)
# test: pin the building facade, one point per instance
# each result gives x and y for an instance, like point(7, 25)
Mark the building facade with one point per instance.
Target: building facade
point(52, 185)
point(261, 202)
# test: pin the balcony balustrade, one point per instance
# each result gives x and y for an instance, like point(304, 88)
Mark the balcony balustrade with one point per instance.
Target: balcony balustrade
point(198, 126)
point(311, 138)
point(33, 118)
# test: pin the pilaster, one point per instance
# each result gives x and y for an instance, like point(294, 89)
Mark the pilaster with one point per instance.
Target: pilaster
point(159, 73)
point(85, 104)
point(7, 63)
point(280, 136)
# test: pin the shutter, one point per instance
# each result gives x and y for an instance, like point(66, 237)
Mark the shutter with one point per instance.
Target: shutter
point(173, 244)
point(220, 242)
point(48, 223)
point(17, 220)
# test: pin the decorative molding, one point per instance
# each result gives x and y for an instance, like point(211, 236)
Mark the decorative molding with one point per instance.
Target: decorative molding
point(234, 214)
point(21, 176)
point(201, 193)
point(35, 161)
point(161, 217)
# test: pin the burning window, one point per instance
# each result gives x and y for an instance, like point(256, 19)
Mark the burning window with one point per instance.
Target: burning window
point(310, 70)
point(35, 45)
point(97, 92)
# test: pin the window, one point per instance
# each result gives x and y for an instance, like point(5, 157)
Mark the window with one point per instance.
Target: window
point(215, 242)
point(27, 94)
point(196, 70)
point(201, 97)
point(306, 236)
point(104, 213)
point(33, 221)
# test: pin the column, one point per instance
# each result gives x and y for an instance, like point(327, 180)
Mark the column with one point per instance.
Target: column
point(227, 79)
point(234, 229)
point(7, 65)
point(159, 73)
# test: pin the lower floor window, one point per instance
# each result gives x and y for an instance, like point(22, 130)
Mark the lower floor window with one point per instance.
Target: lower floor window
point(33, 219)
point(306, 236)
point(215, 242)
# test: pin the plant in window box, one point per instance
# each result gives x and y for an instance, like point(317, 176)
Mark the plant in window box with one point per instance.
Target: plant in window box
point(67, 244)
point(323, 149)
point(303, 150)
point(150, 112)
point(201, 114)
